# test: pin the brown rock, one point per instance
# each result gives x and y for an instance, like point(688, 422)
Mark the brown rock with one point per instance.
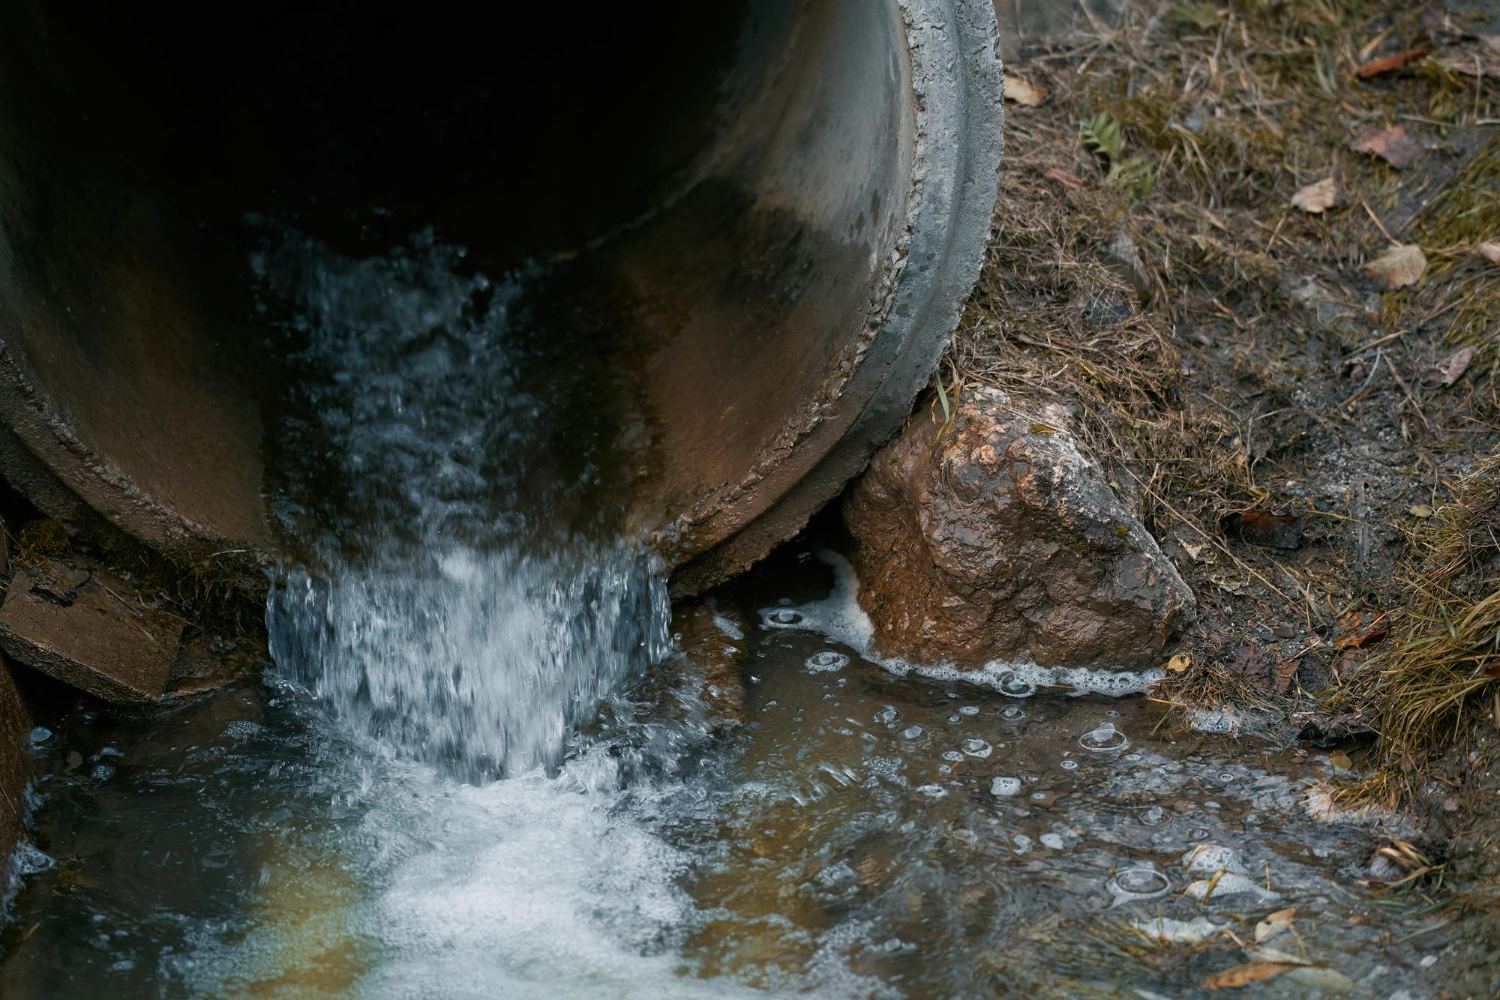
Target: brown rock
point(999, 540)
point(71, 625)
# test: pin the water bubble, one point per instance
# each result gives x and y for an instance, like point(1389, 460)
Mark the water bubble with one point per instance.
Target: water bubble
point(103, 773)
point(1112, 714)
point(1070, 765)
point(969, 710)
point(780, 618)
point(888, 717)
point(1153, 816)
point(1103, 739)
point(1013, 686)
point(1038, 796)
point(28, 860)
point(827, 661)
point(1227, 776)
point(914, 732)
point(952, 755)
point(1139, 883)
point(931, 791)
point(1005, 787)
point(1197, 833)
point(1014, 713)
point(953, 718)
point(945, 769)
point(976, 747)
point(1132, 757)
point(39, 735)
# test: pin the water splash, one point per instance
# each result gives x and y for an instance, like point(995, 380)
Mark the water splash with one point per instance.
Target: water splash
point(464, 595)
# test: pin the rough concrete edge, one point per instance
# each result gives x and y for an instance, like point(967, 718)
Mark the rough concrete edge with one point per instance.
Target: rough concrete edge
point(957, 85)
point(34, 419)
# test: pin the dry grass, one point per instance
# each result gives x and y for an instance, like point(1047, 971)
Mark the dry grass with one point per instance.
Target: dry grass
point(1204, 380)
point(1442, 673)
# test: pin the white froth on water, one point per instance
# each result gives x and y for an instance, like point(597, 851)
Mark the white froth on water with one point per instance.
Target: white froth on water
point(839, 617)
point(1004, 787)
point(1169, 931)
point(531, 886)
point(1213, 721)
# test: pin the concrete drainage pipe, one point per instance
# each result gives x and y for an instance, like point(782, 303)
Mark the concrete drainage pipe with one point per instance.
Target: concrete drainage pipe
point(782, 203)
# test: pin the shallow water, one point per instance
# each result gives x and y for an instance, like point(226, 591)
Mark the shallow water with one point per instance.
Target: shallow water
point(858, 834)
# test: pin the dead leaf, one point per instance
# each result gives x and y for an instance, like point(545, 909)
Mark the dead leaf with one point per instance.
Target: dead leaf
point(1228, 584)
point(1244, 975)
point(1178, 663)
point(1489, 251)
point(1361, 628)
point(1192, 550)
point(1340, 761)
point(1274, 924)
point(1023, 92)
point(1061, 176)
point(1419, 510)
point(1389, 64)
point(1398, 267)
point(1315, 199)
point(1392, 145)
point(1451, 368)
point(1272, 531)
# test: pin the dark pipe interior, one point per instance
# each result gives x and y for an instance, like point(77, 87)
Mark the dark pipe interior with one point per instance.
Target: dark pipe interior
point(515, 129)
point(720, 192)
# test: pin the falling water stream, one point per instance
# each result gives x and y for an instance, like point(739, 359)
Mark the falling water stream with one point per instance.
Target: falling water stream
point(488, 762)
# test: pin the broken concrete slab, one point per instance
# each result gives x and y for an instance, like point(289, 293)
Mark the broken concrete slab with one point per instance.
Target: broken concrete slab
point(69, 623)
point(998, 538)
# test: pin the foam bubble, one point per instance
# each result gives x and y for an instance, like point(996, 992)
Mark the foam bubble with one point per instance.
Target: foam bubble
point(1103, 739)
point(827, 661)
point(1004, 787)
point(932, 791)
point(1206, 721)
point(1133, 884)
point(1069, 765)
point(976, 747)
point(781, 618)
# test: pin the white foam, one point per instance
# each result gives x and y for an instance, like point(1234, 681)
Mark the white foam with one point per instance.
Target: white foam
point(839, 617)
point(1212, 721)
point(728, 626)
point(525, 887)
point(1168, 931)
point(1004, 787)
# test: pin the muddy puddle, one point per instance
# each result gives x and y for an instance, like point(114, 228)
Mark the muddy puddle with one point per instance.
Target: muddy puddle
point(831, 829)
